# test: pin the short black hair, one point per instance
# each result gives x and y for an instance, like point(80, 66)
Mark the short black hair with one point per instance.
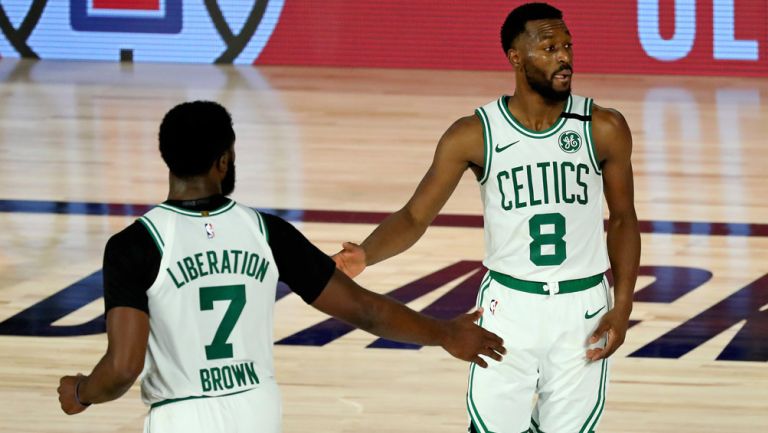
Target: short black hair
point(514, 25)
point(193, 135)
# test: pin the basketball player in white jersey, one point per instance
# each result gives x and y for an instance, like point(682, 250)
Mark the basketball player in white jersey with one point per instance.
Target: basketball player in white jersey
point(190, 287)
point(544, 158)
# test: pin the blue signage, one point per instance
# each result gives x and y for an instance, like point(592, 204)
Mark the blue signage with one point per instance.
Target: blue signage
point(193, 31)
point(85, 16)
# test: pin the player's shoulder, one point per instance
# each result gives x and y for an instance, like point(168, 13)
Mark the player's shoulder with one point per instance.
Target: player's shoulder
point(273, 222)
point(130, 240)
point(279, 229)
point(463, 141)
point(467, 126)
point(608, 120)
point(465, 132)
point(610, 132)
point(247, 210)
point(128, 235)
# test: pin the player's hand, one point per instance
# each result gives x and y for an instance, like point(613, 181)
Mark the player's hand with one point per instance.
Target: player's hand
point(67, 398)
point(467, 341)
point(350, 260)
point(615, 324)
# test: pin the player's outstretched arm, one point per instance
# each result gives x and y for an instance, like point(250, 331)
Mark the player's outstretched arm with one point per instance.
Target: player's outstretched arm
point(385, 317)
point(613, 142)
point(460, 147)
point(118, 369)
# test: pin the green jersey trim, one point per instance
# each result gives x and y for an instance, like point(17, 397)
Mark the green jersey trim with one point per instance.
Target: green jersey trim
point(153, 232)
point(588, 135)
point(194, 397)
point(552, 130)
point(487, 143)
point(535, 427)
point(218, 211)
point(262, 225)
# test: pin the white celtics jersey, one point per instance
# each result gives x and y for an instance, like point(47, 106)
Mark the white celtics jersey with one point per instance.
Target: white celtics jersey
point(542, 195)
point(211, 306)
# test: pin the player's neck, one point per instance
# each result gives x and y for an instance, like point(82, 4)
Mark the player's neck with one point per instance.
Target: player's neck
point(192, 188)
point(533, 110)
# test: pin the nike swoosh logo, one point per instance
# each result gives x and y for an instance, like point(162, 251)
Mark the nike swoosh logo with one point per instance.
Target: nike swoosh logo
point(500, 148)
point(589, 316)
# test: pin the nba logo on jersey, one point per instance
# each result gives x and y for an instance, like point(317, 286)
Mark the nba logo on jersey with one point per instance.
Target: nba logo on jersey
point(130, 16)
point(494, 304)
point(209, 230)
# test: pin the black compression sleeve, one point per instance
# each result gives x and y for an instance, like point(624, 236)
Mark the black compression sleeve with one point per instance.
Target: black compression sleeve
point(131, 264)
point(302, 266)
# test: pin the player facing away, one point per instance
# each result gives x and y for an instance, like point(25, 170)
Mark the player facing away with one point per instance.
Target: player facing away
point(544, 158)
point(189, 290)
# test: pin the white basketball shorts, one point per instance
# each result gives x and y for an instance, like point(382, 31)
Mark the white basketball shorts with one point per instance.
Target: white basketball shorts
point(546, 337)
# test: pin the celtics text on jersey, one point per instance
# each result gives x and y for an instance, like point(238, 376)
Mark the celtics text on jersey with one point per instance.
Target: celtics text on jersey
point(542, 195)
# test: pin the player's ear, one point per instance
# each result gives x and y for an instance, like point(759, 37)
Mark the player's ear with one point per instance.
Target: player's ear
point(222, 163)
point(513, 55)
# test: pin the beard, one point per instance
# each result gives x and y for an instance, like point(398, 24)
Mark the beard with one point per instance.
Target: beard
point(228, 183)
point(542, 85)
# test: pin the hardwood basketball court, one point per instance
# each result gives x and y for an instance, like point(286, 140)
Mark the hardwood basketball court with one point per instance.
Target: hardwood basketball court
point(334, 150)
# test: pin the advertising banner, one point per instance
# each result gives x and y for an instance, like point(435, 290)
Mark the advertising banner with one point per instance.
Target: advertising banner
point(692, 37)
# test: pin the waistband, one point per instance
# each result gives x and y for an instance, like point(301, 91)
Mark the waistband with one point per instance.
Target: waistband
point(194, 397)
point(547, 288)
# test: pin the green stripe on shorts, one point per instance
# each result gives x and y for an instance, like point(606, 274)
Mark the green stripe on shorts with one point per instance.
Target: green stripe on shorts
point(597, 411)
point(474, 414)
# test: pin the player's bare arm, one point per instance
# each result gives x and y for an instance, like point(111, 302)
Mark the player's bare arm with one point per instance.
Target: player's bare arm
point(460, 148)
point(613, 143)
point(118, 369)
point(385, 317)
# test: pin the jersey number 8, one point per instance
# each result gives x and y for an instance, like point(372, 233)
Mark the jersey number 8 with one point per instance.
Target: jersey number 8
point(552, 239)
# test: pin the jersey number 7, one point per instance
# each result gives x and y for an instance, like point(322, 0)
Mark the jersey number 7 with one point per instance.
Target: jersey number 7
point(219, 348)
